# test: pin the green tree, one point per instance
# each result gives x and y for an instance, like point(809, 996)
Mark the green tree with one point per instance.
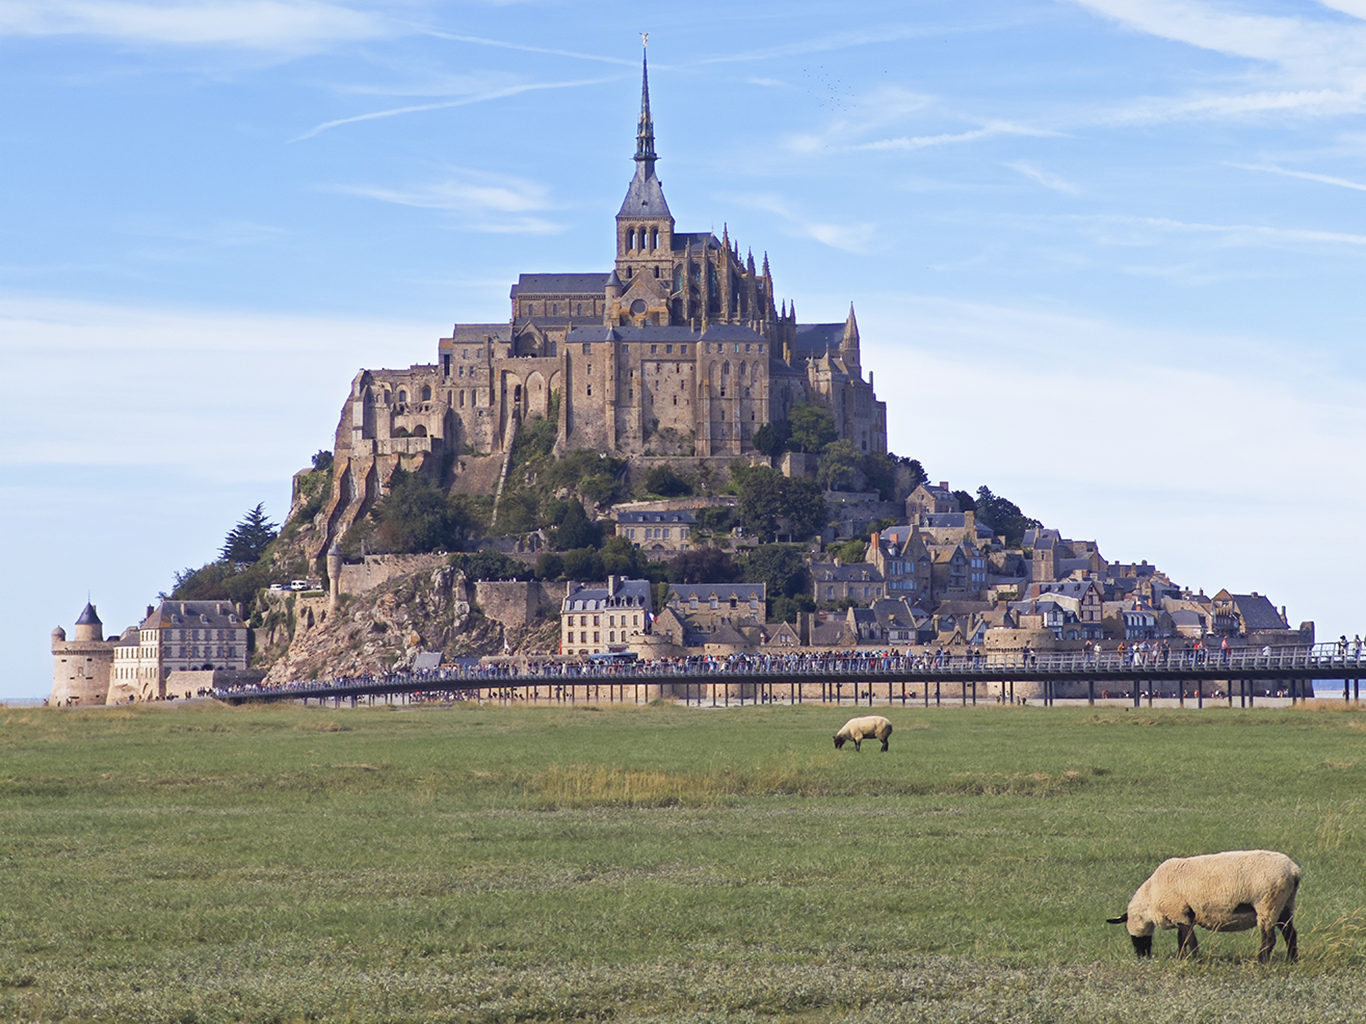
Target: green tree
point(583, 564)
point(772, 438)
point(766, 496)
point(838, 467)
point(576, 530)
point(491, 565)
point(703, 565)
point(915, 472)
point(322, 459)
point(416, 516)
point(850, 551)
point(666, 482)
point(812, 428)
point(622, 558)
point(247, 541)
point(715, 518)
point(1003, 516)
point(781, 566)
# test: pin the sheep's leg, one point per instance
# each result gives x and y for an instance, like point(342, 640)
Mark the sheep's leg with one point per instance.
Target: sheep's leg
point(884, 746)
point(1186, 944)
point(1292, 944)
point(1268, 930)
point(858, 743)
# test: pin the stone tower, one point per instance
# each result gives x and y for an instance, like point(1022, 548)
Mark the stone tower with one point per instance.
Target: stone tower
point(81, 667)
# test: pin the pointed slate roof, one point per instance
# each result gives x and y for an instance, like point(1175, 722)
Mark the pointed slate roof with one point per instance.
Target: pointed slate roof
point(88, 616)
point(645, 196)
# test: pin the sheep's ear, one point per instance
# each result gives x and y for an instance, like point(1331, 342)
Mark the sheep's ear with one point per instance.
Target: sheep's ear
point(1117, 920)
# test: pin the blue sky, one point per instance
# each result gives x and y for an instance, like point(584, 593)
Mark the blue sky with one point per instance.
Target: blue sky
point(1106, 254)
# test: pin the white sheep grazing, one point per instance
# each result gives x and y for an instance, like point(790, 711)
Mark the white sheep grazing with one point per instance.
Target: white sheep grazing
point(857, 728)
point(1221, 892)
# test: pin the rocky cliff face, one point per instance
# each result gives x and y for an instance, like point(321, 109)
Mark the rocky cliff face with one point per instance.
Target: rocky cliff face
point(379, 630)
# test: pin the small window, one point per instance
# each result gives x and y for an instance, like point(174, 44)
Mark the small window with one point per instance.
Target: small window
point(587, 348)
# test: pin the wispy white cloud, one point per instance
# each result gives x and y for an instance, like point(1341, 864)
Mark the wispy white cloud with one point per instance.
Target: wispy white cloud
point(1306, 175)
point(525, 48)
point(824, 44)
point(464, 101)
point(1121, 230)
point(1302, 65)
point(482, 202)
point(1313, 48)
point(1044, 178)
point(881, 109)
point(289, 25)
point(987, 131)
point(847, 236)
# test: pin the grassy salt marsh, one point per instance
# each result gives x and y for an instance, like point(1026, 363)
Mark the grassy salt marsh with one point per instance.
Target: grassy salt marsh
point(206, 864)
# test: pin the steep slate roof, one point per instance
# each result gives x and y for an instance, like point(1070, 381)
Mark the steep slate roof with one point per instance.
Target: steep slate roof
point(699, 239)
point(216, 614)
point(560, 284)
point(814, 339)
point(1258, 612)
point(628, 593)
point(859, 572)
point(742, 592)
point(88, 616)
point(679, 333)
point(475, 334)
point(681, 515)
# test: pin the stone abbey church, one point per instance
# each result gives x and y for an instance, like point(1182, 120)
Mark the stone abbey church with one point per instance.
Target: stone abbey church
point(680, 349)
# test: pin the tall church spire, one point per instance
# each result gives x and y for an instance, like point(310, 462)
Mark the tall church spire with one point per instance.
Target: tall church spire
point(645, 198)
point(645, 127)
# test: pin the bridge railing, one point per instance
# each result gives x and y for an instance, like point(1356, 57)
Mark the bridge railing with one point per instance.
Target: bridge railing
point(1131, 663)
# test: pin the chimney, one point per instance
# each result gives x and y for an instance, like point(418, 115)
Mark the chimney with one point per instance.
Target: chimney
point(150, 610)
point(611, 586)
point(943, 485)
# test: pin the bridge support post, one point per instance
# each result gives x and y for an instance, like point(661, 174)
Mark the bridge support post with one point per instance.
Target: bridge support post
point(1200, 693)
point(1356, 691)
point(1138, 695)
point(974, 693)
point(1090, 691)
point(936, 693)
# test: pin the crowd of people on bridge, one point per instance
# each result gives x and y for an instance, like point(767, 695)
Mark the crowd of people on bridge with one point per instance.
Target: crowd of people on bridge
point(490, 673)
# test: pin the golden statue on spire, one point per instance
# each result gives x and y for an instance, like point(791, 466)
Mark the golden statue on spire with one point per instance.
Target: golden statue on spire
point(644, 40)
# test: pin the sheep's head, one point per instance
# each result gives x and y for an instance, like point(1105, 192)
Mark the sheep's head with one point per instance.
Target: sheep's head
point(1143, 942)
point(839, 741)
point(1137, 922)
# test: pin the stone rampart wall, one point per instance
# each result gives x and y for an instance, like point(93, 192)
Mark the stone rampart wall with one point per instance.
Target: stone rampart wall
point(517, 603)
point(376, 570)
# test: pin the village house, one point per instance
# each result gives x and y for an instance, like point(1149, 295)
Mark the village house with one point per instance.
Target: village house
point(596, 618)
point(659, 534)
point(859, 582)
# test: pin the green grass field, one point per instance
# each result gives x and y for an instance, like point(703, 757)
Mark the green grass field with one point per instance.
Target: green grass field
point(204, 864)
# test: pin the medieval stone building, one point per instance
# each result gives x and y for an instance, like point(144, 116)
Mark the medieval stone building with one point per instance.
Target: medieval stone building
point(678, 349)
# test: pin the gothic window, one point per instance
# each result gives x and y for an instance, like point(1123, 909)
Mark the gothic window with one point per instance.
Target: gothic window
point(580, 310)
point(725, 368)
point(555, 309)
point(656, 272)
point(654, 244)
point(426, 393)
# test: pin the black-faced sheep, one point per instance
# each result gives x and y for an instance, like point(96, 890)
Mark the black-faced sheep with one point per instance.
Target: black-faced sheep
point(1221, 892)
point(857, 729)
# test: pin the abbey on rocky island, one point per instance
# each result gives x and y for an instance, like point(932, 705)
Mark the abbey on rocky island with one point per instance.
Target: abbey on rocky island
point(679, 350)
